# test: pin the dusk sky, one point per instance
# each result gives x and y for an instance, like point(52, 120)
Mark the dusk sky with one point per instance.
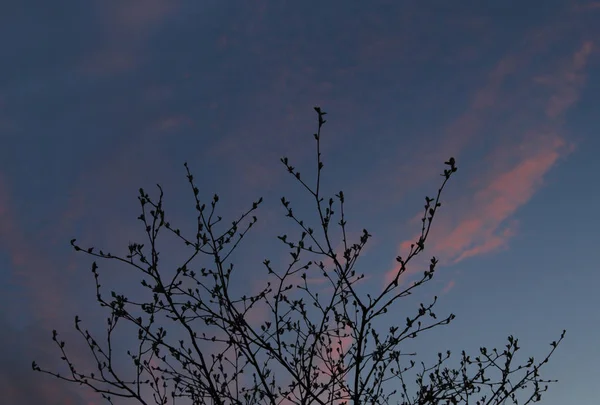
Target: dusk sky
point(99, 98)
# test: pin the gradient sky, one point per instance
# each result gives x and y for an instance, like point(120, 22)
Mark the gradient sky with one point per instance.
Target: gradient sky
point(98, 98)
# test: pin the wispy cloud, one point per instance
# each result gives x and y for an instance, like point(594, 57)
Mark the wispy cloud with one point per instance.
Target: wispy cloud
point(587, 6)
point(511, 173)
point(486, 225)
point(567, 83)
point(449, 286)
point(28, 258)
point(127, 24)
point(19, 348)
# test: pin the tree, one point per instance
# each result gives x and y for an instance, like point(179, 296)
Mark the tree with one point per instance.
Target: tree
point(315, 347)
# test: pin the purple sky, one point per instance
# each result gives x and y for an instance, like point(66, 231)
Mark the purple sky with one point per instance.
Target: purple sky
point(98, 98)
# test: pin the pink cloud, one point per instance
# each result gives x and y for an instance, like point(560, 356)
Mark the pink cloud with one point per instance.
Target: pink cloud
point(222, 41)
point(128, 24)
point(510, 175)
point(108, 61)
point(173, 122)
point(568, 82)
point(343, 344)
point(589, 6)
point(30, 264)
point(35, 264)
point(485, 223)
point(448, 287)
point(456, 136)
point(43, 390)
point(135, 15)
point(488, 102)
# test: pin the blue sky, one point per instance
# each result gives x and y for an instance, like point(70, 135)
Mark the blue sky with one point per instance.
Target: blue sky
point(99, 98)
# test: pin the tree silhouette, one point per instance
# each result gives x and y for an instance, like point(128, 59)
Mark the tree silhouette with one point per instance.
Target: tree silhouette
point(316, 346)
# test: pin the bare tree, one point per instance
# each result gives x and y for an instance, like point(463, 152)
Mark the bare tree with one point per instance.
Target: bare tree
point(317, 346)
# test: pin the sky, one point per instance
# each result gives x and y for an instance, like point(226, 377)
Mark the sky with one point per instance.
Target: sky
point(99, 98)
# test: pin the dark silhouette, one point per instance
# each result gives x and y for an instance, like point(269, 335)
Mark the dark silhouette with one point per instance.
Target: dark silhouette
point(317, 346)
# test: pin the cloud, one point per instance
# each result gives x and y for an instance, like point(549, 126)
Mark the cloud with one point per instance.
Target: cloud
point(449, 286)
point(485, 222)
point(30, 265)
point(567, 83)
point(509, 175)
point(172, 123)
point(458, 135)
point(486, 227)
point(490, 101)
point(589, 6)
point(19, 348)
point(127, 25)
